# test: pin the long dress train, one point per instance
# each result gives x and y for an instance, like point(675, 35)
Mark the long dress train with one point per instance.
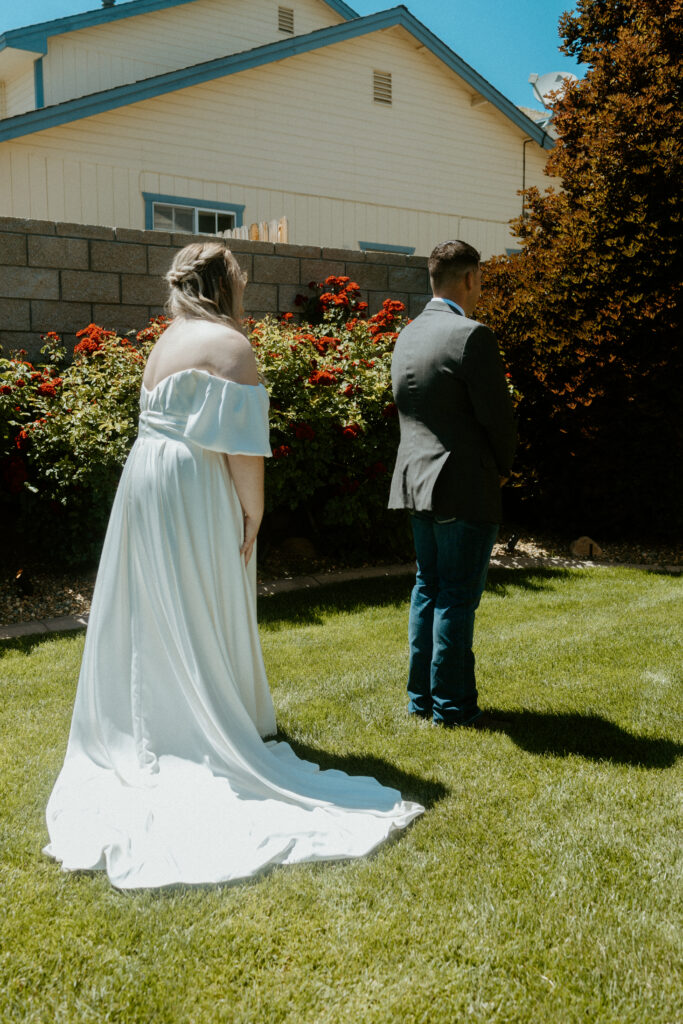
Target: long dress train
point(167, 778)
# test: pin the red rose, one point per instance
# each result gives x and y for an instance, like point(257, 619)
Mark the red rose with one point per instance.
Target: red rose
point(304, 432)
point(282, 451)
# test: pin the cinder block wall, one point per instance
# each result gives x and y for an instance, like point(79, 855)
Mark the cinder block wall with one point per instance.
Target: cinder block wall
point(61, 277)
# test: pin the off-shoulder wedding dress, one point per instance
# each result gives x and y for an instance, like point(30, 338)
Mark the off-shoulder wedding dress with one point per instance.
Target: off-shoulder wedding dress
point(167, 778)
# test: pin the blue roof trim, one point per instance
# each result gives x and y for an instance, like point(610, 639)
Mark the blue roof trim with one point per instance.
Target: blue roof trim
point(38, 86)
point(407, 250)
point(34, 37)
point(148, 88)
point(202, 204)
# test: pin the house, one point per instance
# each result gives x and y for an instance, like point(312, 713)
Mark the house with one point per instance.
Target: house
point(202, 115)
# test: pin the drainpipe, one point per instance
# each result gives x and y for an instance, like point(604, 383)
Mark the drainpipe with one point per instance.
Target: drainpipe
point(524, 145)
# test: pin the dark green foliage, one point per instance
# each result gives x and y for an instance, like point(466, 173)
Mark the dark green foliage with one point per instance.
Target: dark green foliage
point(589, 312)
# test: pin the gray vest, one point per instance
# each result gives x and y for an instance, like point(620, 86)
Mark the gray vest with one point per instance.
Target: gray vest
point(455, 414)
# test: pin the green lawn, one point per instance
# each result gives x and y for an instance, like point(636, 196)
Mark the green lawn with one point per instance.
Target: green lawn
point(542, 884)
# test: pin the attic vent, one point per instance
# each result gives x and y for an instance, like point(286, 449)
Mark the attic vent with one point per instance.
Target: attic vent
point(382, 86)
point(285, 20)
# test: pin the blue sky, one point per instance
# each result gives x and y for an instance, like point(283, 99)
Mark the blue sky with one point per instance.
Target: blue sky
point(504, 40)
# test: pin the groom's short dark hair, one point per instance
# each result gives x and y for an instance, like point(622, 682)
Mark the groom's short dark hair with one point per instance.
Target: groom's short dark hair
point(450, 260)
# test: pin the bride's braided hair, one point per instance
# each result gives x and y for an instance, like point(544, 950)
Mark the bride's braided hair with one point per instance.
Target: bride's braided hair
point(206, 283)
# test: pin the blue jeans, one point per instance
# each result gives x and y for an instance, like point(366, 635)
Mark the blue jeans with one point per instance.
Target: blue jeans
point(452, 562)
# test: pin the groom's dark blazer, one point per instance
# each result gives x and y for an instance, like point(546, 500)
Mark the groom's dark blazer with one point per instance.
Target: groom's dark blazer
point(455, 414)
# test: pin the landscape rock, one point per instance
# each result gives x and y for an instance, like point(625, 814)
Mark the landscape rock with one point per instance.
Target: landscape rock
point(585, 547)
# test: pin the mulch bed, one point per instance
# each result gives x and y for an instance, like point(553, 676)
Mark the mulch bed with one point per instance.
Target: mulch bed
point(40, 593)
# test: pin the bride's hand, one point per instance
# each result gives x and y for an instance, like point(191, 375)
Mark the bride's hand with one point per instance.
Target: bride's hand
point(251, 527)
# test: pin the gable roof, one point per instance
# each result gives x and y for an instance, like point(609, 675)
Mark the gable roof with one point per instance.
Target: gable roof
point(147, 88)
point(34, 37)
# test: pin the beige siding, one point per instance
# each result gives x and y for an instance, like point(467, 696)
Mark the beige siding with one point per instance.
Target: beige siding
point(301, 138)
point(93, 59)
point(20, 93)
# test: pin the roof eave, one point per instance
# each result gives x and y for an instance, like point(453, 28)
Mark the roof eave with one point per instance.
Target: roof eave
point(34, 37)
point(171, 81)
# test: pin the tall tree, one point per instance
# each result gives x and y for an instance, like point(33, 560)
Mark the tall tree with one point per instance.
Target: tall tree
point(589, 312)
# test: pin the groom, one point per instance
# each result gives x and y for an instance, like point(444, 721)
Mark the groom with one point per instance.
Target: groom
point(455, 453)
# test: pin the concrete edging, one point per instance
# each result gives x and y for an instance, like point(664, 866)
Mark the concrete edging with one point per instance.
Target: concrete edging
point(270, 588)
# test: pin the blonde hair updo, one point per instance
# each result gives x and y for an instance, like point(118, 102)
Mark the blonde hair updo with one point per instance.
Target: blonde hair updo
point(206, 283)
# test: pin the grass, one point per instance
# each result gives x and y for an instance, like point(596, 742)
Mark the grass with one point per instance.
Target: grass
point(542, 884)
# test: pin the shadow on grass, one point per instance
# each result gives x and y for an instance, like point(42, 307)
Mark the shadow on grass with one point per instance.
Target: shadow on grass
point(411, 787)
point(310, 607)
point(27, 644)
point(501, 581)
point(588, 736)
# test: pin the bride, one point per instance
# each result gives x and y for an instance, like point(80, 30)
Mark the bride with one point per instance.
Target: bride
point(167, 778)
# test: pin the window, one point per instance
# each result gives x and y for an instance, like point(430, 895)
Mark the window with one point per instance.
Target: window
point(285, 20)
point(382, 87)
point(190, 216)
point(193, 220)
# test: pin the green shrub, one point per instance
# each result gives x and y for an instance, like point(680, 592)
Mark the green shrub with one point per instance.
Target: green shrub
point(66, 429)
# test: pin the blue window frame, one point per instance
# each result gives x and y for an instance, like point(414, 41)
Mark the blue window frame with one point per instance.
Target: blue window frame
point(407, 250)
point(190, 216)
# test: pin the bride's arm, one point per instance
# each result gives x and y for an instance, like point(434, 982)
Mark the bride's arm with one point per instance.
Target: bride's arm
point(247, 475)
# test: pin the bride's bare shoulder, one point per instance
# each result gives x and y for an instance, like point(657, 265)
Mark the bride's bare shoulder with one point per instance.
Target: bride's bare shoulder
point(227, 353)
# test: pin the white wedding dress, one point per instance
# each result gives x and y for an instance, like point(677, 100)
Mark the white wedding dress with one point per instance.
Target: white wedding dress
point(167, 778)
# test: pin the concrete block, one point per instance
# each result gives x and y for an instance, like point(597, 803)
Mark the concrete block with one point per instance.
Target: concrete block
point(417, 261)
point(275, 270)
point(62, 317)
point(89, 286)
point(62, 253)
point(27, 227)
point(408, 279)
point(144, 237)
point(84, 231)
point(393, 259)
point(120, 318)
point(160, 258)
point(29, 283)
point(243, 245)
point(417, 304)
point(143, 290)
point(260, 297)
point(370, 275)
point(246, 262)
point(318, 270)
point(15, 315)
point(182, 238)
point(12, 249)
point(118, 256)
point(308, 252)
point(31, 343)
point(347, 255)
point(286, 294)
